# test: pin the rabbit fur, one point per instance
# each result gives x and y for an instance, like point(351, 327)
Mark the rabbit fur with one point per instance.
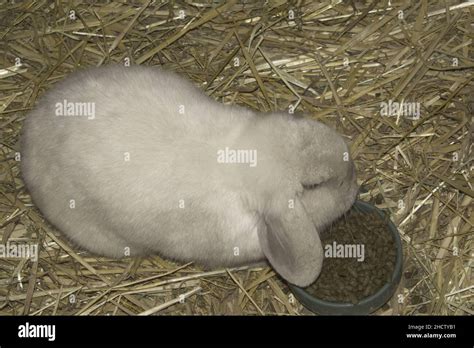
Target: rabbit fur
point(140, 175)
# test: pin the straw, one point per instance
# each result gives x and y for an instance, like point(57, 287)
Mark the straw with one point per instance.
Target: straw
point(335, 61)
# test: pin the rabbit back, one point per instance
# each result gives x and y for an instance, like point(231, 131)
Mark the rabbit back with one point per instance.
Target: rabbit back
point(141, 176)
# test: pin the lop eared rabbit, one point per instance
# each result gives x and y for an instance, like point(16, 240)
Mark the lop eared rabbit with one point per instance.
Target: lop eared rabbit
point(125, 161)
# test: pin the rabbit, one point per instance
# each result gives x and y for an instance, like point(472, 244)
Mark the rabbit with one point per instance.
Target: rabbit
point(124, 161)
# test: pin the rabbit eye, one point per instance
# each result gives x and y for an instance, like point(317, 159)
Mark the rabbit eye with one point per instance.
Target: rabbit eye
point(310, 187)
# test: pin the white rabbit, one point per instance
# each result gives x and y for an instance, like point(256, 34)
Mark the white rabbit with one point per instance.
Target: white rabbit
point(128, 161)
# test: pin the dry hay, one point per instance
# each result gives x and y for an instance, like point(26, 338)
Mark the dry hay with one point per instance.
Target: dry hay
point(334, 61)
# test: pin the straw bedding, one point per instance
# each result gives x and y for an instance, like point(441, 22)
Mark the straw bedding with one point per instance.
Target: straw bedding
point(346, 63)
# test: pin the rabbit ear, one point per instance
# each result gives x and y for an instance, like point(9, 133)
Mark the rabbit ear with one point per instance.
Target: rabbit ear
point(291, 242)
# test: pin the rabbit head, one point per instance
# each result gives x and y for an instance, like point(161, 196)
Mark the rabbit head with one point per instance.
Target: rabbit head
point(323, 187)
point(328, 176)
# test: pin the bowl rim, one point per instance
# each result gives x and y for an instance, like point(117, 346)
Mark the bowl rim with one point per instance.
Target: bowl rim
point(370, 303)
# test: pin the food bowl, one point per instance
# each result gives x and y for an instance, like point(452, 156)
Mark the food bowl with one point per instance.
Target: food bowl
point(368, 304)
